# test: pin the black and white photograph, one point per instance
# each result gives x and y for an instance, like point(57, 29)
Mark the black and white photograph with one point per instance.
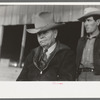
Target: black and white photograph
point(49, 43)
point(52, 43)
point(38, 42)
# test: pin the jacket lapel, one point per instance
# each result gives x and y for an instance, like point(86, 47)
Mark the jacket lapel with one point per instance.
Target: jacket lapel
point(38, 52)
point(36, 56)
point(96, 52)
point(80, 48)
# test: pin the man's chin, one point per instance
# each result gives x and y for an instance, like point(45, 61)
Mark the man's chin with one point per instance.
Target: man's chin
point(87, 32)
point(43, 45)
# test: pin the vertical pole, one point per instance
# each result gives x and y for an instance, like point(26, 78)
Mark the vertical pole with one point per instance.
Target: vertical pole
point(1, 38)
point(82, 29)
point(22, 46)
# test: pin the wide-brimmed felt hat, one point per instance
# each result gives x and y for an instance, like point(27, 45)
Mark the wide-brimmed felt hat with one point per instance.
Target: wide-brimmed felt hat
point(89, 12)
point(43, 22)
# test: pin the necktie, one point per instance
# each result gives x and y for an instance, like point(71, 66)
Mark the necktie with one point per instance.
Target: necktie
point(43, 60)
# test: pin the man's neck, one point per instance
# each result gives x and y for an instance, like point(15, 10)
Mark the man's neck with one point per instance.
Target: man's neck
point(47, 47)
point(94, 34)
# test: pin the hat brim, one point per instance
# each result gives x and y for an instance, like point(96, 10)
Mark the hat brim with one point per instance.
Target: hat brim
point(89, 14)
point(45, 28)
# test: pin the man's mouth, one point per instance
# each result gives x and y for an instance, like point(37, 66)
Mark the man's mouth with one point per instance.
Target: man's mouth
point(43, 41)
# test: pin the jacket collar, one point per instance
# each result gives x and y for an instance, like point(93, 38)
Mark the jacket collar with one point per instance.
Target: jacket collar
point(98, 36)
point(38, 50)
point(85, 37)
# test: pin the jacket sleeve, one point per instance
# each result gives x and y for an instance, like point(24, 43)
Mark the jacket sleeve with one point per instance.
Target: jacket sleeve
point(24, 73)
point(67, 71)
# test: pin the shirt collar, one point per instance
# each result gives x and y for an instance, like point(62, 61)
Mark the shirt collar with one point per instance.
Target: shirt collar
point(50, 50)
point(92, 36)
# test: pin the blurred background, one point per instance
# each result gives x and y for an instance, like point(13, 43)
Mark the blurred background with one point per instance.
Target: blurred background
point(16, 43)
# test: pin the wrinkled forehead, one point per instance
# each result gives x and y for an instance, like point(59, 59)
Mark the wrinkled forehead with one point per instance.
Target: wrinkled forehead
point(92, 17)
point(88, 17)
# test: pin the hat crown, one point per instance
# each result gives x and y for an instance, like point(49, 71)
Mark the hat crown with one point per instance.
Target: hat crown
point(42, 19)
point(43, 22)
point(90, 10)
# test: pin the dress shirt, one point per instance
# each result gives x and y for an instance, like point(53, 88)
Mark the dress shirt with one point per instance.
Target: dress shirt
point(87, 57)
point(50, 50)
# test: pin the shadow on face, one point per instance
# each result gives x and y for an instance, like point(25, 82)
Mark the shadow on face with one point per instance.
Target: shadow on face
point(47, 38)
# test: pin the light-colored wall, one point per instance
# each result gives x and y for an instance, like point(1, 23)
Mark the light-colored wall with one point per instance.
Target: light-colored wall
point(24, 14)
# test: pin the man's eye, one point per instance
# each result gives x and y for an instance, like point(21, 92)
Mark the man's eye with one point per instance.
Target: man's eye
point(89, 20)
point(40, 33)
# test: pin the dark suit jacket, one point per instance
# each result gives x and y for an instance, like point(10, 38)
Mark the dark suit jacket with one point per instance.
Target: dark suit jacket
point(96, 53)
point(60, 66)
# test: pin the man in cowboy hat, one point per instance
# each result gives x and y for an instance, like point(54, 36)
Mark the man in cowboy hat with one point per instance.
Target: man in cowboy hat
point(51, 61)
point(88, 49)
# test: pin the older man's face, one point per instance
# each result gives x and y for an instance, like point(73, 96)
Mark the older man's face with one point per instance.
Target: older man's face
point(91, 25)
point(47, 38)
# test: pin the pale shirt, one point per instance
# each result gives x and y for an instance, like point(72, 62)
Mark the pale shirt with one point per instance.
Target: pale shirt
point(50, 50)
point(87, 57)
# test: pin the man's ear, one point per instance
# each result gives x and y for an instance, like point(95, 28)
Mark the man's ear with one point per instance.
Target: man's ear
point(98, 22)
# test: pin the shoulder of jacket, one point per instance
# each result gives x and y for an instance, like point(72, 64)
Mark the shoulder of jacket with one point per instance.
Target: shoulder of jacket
point(63, 47)
point(32, 52)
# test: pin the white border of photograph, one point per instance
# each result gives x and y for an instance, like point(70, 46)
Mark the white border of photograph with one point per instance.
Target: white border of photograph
point(50, 89)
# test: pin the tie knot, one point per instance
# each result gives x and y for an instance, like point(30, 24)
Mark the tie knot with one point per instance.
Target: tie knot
point(45, 50)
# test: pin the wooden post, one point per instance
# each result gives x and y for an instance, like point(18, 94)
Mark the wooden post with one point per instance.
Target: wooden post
point(82, 29)
point(1, 38)
point(22, 46)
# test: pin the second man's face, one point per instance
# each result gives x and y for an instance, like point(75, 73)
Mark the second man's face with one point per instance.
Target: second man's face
point(47, 38)
point(91, 25)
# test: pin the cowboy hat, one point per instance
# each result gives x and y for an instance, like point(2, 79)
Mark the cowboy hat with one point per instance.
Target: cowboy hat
point(89, 12)
point(43, 22)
